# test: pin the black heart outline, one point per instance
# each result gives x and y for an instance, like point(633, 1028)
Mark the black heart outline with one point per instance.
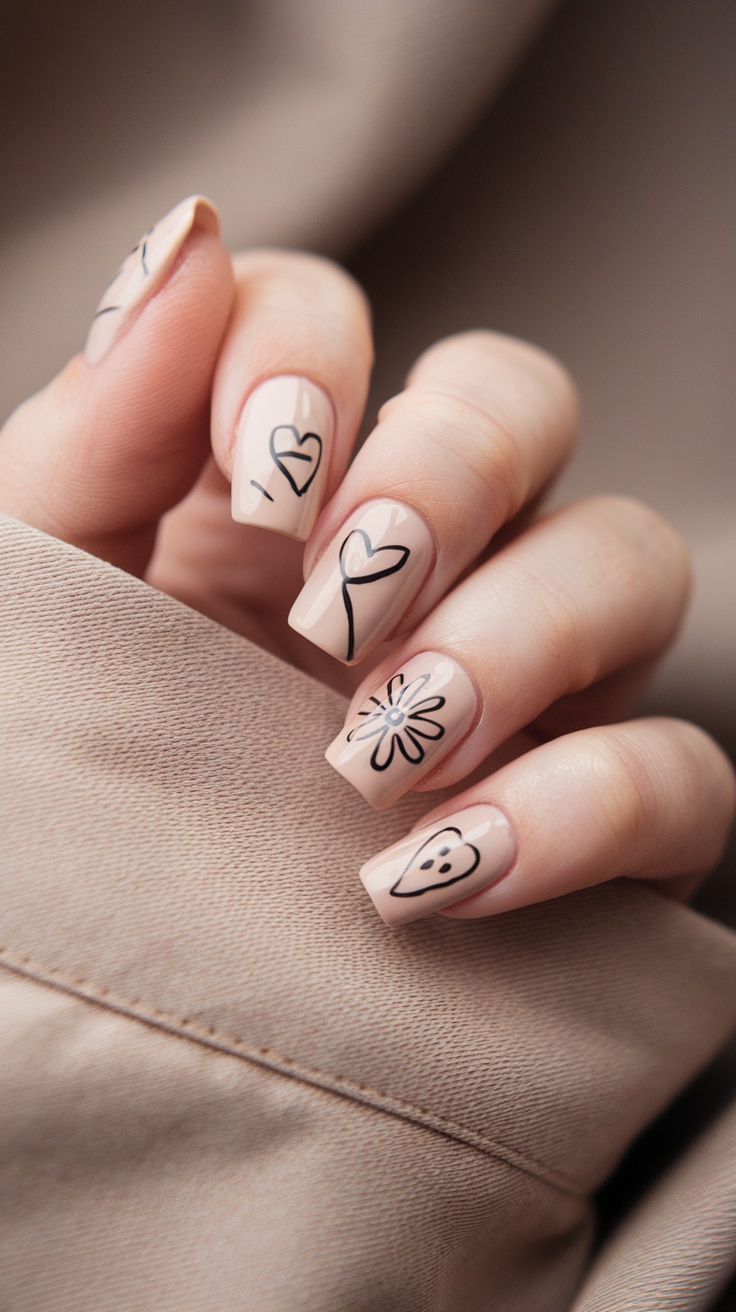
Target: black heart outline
point(366, 578)
point(279, 457)
point(417, 892)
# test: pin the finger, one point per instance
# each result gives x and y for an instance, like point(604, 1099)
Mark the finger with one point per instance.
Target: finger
point(592, 589)
point(484, 423)
point(120, 435)
point(290, 388)
point(650, 799)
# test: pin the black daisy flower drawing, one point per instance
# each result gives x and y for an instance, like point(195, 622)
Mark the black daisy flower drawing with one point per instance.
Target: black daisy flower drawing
point(400, 722)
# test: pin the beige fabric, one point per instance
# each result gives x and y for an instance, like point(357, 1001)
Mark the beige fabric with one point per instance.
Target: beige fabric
point(356, 1118)
point(149, 1173)
point(677, 1249)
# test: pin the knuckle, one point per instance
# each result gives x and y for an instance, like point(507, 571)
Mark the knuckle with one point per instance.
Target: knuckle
point(479, 360)
point(465, 434)
point(526, 400)
point(564, 627)
point(657, 781)
point(709, 774)
point(629, 802)
point(280, 279)
point(647, 536)
point(465, 352)
point(556, 610)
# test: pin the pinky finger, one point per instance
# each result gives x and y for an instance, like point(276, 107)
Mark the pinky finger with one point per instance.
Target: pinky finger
point(650, 799)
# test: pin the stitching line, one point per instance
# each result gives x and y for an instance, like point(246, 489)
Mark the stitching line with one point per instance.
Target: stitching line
point(196, 1031)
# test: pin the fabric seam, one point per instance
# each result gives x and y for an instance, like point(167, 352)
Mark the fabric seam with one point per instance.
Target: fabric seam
point(198, 1032)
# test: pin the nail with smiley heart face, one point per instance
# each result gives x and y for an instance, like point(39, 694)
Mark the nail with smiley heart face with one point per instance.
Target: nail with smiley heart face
point(365, 580)
point(282, 455)
point(440, 864)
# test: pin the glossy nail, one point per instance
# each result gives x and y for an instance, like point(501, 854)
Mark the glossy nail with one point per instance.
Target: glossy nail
point(282, 455)
point(365, 580)
point(440, 864)
point(406, 728)
point(144, 270)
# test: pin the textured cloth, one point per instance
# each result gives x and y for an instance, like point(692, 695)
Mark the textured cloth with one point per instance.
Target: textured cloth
point(225, 1083)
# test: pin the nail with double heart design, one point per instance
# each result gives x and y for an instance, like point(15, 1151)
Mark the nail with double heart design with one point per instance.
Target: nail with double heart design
point(282, 455)
point(440, 864)
point(365, 580)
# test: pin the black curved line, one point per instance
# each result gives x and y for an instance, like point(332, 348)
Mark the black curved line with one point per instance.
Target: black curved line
point(347, 603)
point(406, 732)
point(377, 748)
point(143, 257)
point(370, 552)
point(390, 687)
point(366, 578)
point(417, 892)
point(106, 309)
point(279, 457)
point(266, 494)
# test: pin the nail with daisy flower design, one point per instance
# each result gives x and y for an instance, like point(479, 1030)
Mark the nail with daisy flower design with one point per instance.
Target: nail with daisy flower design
point(401, 732)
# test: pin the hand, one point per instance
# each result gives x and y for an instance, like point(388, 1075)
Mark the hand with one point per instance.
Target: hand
point(506, 644)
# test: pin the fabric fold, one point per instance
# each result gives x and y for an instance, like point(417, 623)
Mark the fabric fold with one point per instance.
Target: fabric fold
point(178, 858)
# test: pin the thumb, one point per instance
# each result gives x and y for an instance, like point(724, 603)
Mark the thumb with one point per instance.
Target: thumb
point(120, 435)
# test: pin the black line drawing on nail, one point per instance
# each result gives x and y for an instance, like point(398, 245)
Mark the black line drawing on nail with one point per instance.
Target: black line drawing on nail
point(440, 853)
point(399, 722)
point(351, 576)
point(266, 494)
point(141, 246)
point(284, 444)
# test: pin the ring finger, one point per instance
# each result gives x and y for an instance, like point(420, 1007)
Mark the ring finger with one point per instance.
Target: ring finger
point(590, 590)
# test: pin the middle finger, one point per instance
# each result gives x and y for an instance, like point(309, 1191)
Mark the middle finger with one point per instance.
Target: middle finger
point(483, 425)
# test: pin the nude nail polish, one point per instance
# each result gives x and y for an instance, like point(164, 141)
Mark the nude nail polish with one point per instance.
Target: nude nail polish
point(404, 730)
point(365, 580)
point(282, 455)
point(144, 270)
point(440, 864)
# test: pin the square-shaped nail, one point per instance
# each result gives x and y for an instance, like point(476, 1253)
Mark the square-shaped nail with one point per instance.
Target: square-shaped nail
point(440, 864)
point(365, 580)
point(401, 732)
point(144, 270)
point(282, 456)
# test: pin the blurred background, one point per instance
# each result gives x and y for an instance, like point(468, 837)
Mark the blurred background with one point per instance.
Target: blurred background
point(564, 172)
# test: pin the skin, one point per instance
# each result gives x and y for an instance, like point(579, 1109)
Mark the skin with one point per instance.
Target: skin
point(557, 619)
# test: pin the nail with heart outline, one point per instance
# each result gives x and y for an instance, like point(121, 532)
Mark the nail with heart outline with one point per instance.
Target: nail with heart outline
point(365, 580)
point(398, 735)
point(282, 455)
point(143, 271)
point(440, 864)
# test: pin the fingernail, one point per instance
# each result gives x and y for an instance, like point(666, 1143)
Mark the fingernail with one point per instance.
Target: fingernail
point(405, 729)
point(282, 454)
point(365, 580)
point(144, 270)
point(441, 864)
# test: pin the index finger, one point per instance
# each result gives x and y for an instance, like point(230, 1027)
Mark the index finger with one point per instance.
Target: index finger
point(290, 387)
